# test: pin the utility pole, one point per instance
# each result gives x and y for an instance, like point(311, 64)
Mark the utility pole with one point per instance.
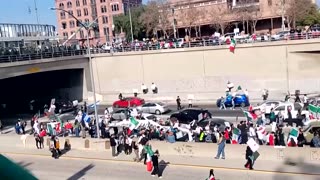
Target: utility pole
point(130, 22)
point(36, 10)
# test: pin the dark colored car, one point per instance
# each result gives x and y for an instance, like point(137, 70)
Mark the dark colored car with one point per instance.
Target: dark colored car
point(220, 123)
point(241, 100)
point(63, 106)
point(188, 115)
point(128, 102)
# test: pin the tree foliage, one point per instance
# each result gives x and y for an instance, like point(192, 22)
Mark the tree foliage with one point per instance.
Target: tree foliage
point(122, 23)
point(219, 17)
point(312, 17)
point(150, 18)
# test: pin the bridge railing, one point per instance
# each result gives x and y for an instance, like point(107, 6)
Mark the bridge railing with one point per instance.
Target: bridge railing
point(151, 47)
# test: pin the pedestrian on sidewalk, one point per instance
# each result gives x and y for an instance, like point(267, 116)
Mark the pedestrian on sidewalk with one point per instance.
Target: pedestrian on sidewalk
point(113, 145)
point(57, 144)
point(155, 163)
point(178, 100)
point(42, 134)
point(249, 155)
point(211, 175)
point(221, 146)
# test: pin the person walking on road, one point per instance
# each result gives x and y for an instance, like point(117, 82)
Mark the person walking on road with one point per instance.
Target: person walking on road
point(38, 141)
point(211, 175)
point(221, 146)
point(155, 163)
point(178, 103)
point(249, 155)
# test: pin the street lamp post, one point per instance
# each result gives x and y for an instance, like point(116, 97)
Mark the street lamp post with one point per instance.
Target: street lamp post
point(87, 27)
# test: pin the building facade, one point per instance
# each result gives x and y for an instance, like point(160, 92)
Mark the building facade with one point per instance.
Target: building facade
point(87, 11)
point(17, 34)
point(247, 15)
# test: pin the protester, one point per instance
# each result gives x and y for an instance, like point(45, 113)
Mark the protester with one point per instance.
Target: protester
point(37, 139)
point(76, 128)
point(211, 175)
point(57, 144)
point(221, 146)
point(301, 139)
point(54, 151)
point(315, 142)
point(249, 155)
point(155, 163)
point(113, 145)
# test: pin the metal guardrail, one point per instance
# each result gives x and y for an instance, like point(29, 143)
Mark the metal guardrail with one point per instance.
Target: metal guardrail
point(149, 47)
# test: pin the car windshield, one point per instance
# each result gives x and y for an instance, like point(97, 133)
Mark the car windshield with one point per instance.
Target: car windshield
point(161, 104)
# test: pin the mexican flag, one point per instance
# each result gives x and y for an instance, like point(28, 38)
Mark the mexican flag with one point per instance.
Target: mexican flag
point(314, 110)
point(250, 116)
point(294, 135)
point(235, 135)
point(150, 153)
point(232, 45)
point(262, 133)
point(133, 125)
point(59, 121)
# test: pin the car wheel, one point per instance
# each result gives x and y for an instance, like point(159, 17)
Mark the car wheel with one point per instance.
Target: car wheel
point(243, 105)
point(158, 112)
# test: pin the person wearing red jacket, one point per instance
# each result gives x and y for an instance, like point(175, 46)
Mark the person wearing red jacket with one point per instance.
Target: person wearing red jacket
point(271, 139)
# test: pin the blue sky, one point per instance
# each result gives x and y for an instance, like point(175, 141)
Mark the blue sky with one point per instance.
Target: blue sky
point(17, 11)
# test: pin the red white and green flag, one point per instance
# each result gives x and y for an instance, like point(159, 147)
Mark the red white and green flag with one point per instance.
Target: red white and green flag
point(293, 135)
point(250, 116)
point(314, 110)
point(232, 45)
point(133, 125)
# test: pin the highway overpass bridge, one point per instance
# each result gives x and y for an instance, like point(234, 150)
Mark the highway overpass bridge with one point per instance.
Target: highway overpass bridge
point(203, 71)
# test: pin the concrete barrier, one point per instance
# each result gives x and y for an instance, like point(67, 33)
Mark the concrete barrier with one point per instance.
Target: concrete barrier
point(181, 149)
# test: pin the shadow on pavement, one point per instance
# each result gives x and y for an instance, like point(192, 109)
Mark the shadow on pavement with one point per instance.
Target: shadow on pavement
point(81, 173)
point(302, 168)
point(24, 164)
point(162, 166)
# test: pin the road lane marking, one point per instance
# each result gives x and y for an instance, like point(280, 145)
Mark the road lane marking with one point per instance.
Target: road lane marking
point(169, 164)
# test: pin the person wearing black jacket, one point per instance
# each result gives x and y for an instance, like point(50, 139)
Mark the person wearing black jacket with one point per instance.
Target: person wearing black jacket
point(249, 154)
point(113, 145)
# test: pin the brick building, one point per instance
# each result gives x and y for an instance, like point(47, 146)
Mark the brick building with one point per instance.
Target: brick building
point(266, 14)
point(87, 11)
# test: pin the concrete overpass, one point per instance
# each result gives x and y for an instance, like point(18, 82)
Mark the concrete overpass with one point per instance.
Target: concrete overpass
point(203, 71)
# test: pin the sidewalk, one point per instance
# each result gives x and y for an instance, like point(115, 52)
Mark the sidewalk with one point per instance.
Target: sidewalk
point(266, 166)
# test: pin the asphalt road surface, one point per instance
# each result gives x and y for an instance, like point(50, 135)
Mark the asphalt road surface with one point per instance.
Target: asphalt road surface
point(212, 109)
point(84, 169)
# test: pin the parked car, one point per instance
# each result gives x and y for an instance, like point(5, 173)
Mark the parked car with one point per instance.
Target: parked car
point(128, 102)
point(146, 116)
point(153, 108)
point(63, 106)
point(280, 35)
point(122, 114)
point(214, 122)
point(188, 115)
point(309, 131)
point(240, 100)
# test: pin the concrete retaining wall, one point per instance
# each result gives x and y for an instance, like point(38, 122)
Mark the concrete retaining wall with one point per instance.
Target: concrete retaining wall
point(204, 72)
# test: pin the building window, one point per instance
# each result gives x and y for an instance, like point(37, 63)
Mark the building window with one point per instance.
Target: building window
point(270, 2)
point(86, 12)
point(70, 12)
point(115, 7)
point(103, 9)
point(62, 15)
point(84, 2)
point(93, 2)
point(87, 21)
point(105, 19)
point(79, 24)
point(77, 3)
point(81, 34)
point(69, 4)
point(102, 1)
point(64, 25)
point(79, 13)
point(106, 31)
point(71, 24)
point(65, 35)
point(61, 6)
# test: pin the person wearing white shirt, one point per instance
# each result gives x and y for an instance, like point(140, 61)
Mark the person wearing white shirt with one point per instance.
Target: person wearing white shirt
point(305, 100)
point(246, 92)
point(252, 132)
point(230, 85)
point(154, 88)
point(144, 89)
